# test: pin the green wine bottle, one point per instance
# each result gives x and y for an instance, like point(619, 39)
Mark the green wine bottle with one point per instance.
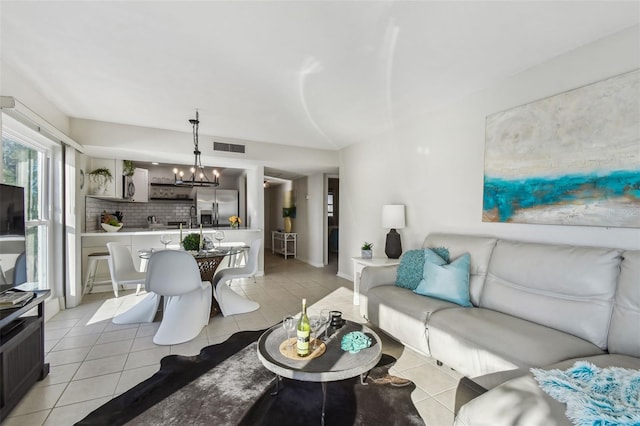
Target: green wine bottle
point(303, 332)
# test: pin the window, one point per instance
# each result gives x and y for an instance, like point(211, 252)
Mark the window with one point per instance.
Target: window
point(25, 160)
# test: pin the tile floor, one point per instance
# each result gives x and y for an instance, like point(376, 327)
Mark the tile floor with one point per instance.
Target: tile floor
point(93, 360)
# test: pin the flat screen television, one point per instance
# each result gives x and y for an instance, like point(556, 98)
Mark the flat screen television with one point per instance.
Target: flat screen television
point(11, 210)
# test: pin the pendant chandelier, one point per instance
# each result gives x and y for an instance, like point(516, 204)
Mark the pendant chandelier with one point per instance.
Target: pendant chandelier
point(198, 175)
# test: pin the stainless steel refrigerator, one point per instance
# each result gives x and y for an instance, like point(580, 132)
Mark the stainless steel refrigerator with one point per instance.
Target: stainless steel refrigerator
point(215, 206)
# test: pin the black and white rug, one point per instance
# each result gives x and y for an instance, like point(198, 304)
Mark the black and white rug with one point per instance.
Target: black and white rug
point(227, 385)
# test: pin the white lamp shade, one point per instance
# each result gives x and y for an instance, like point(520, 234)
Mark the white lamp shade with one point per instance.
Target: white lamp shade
point(393, 216)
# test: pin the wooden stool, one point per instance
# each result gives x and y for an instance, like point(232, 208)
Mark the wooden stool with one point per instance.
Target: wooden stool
point(92, 267)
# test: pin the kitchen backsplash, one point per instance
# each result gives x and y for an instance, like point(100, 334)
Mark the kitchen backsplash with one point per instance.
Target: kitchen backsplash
point(134, 215)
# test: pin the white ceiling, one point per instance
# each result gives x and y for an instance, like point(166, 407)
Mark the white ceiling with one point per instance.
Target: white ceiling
point(321, 74)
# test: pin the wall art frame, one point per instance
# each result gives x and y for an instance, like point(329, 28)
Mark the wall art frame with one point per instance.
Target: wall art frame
point(568, 159)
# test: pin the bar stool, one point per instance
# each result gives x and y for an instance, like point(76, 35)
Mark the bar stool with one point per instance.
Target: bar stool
point(92, 266)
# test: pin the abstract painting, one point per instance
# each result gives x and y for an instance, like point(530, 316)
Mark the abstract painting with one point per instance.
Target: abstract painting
point(569, 159)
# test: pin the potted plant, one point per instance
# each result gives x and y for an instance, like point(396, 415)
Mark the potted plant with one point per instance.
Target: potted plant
point(366, 250)
point(235, 221)
point(191, 242)
point(101, 176)
point(128, 168)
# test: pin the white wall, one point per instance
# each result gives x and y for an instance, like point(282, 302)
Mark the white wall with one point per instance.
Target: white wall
point(434, 162)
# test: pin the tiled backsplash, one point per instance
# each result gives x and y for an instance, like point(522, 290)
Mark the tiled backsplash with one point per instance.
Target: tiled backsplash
point(135, 214)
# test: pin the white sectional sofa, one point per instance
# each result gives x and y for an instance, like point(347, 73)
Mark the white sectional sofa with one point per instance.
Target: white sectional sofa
point(534, 305)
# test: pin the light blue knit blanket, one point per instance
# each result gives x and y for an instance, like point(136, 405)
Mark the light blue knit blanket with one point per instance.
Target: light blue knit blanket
point(594, 396)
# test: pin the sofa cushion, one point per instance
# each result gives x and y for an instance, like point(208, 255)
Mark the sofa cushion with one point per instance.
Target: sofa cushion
point(448, 282)
point(479, 248)
point(402, 314)
point(410, 269)
point(624, 337)
point(477, 341)
point(521, 401)
point(564, 287)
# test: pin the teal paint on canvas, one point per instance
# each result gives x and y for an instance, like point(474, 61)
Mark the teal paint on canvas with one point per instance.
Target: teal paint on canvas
point(502, 198)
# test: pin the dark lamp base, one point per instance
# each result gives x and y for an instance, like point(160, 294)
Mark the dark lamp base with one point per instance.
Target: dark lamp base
point(393, 246)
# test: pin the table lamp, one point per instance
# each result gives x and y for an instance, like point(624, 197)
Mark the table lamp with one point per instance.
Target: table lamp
point(393, 218)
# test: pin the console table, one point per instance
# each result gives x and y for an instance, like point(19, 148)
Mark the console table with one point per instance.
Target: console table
point(284, 243)
point(21, 350)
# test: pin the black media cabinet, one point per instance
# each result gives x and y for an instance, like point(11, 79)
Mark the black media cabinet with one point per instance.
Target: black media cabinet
point(21, 351)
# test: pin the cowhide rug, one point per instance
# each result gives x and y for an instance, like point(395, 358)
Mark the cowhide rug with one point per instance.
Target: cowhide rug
point(227, 385)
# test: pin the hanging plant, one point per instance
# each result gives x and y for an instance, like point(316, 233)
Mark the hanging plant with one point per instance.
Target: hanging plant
point(128, 168)
point(101, 175)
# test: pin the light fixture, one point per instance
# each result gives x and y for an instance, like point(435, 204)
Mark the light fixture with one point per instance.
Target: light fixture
point(393, 218)
point(198, 176)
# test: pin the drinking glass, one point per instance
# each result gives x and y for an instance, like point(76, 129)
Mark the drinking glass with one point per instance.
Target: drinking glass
point(314, 322)
point(219, 235)
point(289, 324)
point(325, 318)
point(165, 239)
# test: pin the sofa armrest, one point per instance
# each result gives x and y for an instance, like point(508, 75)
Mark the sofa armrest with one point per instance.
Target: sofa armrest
point(377, 276)
point(371, 277)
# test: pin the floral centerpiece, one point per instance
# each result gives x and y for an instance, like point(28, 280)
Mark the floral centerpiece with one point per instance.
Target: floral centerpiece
point(235, 221)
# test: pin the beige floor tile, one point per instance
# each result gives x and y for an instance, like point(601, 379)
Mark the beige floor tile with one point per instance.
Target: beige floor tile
point(147, 329)
point(56, 333)
point(115, 336)
point(101, 366)
point(130, 378)
point(68, 356)
point(110, 349)
point(88, 389)
point(80, 330)
point(142, 343)
point(39, 398)
point(447, 398)
point(59, 374)
point(50, 344)
point(146, 357)
point(430, 378)
point(76, 342)
point(31, 419)
point(70, 414)
point(433, 413)
point(214, 340)
point(56, 324)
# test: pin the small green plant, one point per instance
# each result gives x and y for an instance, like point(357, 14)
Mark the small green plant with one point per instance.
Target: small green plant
point(191, 242)
point(128, 168)
point(101, 175)
point(367, 246)
point(289, 212)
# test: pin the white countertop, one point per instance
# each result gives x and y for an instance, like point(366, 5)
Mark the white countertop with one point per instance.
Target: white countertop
point(159, 231)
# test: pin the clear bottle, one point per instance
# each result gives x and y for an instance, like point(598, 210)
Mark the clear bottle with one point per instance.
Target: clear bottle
point(303, 332)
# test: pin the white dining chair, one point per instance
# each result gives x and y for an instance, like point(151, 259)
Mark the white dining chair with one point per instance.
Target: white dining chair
point(175, 275)
point(231, 303)
point(123, 271)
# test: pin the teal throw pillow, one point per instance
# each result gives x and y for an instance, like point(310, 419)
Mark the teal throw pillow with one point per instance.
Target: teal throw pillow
point(411, 269)
point(448, 282)
point(443, 252)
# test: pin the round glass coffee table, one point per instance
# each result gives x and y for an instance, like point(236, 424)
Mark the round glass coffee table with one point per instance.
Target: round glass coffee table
point(333, 365)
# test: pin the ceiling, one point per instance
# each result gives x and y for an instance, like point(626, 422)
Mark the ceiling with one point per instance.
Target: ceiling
point(322, 74)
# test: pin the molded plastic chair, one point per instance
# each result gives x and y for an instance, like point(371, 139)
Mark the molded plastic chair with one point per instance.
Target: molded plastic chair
point(230, 302)
point(175, 275)
point(20, 269)
point(123, 271)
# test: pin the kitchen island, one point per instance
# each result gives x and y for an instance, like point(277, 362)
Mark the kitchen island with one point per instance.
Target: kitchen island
point(146, 238)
